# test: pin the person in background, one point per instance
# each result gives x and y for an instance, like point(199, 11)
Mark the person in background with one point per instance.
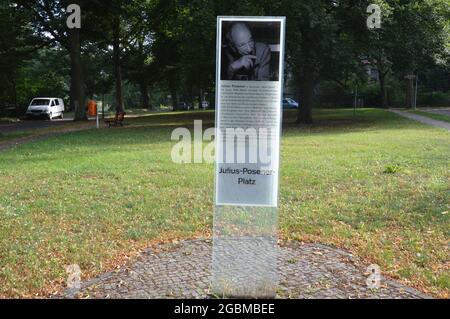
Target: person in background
point(91, 108)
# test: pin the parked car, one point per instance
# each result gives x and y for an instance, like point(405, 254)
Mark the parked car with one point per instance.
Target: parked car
point(289, 103)
point(48, 107)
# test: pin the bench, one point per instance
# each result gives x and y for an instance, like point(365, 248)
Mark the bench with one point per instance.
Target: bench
point(117, 120)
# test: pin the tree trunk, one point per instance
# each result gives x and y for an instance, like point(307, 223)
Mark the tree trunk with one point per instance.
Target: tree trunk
point(150, 104)
point(77, 102)
point(14, 88)
point(383, 91)
point(409, 92)
point(145, 101)
point(306, 94)
point(173, 93)
point(117, 66)
point(200, 99)
point(191, 97)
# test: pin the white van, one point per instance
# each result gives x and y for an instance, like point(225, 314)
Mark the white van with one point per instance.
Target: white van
point(50, 107)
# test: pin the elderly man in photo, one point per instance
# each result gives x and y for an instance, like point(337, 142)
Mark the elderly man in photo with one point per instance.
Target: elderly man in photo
point(244, 58)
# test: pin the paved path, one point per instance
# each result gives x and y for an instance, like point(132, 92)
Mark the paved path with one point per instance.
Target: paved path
point(422, 119)
point(442, 111)
point(183, 270)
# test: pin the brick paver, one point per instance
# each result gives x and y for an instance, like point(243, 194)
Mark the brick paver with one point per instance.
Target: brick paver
point(183, 270)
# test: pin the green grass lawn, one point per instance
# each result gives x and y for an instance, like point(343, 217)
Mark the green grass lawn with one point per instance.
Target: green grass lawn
point(439, 117)
point(376, 184)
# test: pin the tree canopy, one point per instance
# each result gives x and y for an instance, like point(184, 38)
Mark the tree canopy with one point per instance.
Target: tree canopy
point(169, 47)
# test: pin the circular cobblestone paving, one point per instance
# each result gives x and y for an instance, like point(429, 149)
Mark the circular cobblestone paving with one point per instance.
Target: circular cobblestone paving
point(183, 270)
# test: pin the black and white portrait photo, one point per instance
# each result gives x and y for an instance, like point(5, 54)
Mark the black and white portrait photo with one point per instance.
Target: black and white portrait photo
point(250, 51)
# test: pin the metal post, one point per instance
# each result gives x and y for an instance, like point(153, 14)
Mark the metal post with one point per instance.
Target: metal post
point(103, 106)
point(96, 112)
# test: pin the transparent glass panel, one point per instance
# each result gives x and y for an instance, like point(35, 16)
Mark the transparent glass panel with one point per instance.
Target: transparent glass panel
point(245, 252)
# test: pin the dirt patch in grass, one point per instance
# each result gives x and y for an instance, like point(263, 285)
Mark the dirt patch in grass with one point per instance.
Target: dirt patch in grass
point(13, 139)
